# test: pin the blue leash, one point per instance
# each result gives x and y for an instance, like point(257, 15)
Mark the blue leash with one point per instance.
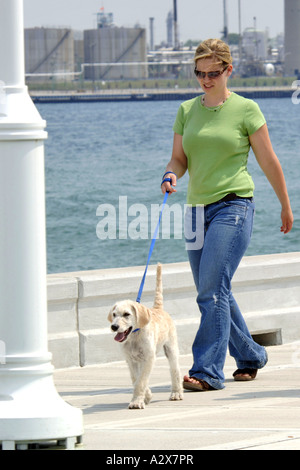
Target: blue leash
point(152, 247)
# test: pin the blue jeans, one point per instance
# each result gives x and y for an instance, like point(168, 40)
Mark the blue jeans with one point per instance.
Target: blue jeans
point(227, 233)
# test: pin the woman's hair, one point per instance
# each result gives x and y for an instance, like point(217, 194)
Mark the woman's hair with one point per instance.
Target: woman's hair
point(214, 49)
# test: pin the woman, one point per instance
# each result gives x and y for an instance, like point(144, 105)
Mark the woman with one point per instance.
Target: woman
point(213, 135)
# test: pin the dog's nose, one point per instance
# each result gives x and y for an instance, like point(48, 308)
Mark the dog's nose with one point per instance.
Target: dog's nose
point(114, 327)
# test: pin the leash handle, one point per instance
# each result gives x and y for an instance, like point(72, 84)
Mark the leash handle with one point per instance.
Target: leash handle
point(151, 249)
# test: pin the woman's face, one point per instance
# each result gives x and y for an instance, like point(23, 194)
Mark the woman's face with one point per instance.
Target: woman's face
point(210, 84)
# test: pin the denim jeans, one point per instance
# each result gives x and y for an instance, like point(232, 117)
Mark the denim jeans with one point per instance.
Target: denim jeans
point(227, 233)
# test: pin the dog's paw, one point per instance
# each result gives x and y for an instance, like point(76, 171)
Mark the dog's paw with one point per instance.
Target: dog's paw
point(176, 396)
point(137, 405)
point(148, 396)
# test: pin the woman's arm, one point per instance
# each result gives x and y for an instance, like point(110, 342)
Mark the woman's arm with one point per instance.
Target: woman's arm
point(269, 163)
point(177, 165)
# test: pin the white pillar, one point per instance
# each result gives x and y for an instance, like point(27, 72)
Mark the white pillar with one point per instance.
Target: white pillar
point(30, 407)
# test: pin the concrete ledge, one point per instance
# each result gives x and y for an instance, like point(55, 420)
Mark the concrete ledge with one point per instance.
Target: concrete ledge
point(63, 320)
point(266, 288)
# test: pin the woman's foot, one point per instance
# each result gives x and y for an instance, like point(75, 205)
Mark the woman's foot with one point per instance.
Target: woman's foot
point(196, 385)
point(245, 375)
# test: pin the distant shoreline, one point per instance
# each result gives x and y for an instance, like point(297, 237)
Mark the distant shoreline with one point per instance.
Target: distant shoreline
point(150, 94)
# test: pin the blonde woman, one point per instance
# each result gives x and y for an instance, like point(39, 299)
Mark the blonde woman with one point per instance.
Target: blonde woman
point(213, 135)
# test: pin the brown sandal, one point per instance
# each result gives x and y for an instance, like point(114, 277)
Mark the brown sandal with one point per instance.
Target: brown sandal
point(200, 386)
point(245, 375)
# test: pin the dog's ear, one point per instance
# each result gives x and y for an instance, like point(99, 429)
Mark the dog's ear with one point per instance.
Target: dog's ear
point(110, 315)
point(143, 315)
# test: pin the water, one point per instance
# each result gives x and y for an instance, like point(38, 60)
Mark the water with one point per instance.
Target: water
point(99, 152)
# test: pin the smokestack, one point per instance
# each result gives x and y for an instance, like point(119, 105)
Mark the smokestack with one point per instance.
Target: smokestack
point(151, 34)
point(176, 42)
point(225, 33)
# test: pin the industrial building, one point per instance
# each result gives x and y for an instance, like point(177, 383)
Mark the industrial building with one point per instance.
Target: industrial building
point(114, 47)
point(110, 52)
point(49, 51)
point(292, 37)
point(255, 44)
point(57, 53)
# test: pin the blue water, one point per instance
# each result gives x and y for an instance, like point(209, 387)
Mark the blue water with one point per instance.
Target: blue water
point(97, 152)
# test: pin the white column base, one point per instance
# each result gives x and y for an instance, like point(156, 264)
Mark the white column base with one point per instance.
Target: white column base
point(31, 411)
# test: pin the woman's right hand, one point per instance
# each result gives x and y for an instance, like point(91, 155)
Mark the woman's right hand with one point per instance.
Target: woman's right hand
point(168, 186)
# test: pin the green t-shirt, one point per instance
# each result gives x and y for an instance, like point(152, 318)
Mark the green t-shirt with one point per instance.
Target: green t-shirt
point(216, 144)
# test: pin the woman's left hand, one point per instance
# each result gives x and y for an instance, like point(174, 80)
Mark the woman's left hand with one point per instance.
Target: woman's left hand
point(287, 220)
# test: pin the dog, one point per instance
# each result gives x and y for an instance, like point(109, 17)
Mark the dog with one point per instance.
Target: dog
point(141, 332)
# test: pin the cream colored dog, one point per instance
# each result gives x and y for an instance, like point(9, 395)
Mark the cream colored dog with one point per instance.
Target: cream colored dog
point(142, 331)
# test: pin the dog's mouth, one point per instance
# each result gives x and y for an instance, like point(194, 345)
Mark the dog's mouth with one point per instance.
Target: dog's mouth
point(121, 337)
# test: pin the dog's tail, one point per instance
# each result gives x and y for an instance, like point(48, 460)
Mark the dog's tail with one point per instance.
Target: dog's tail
point(158, 301)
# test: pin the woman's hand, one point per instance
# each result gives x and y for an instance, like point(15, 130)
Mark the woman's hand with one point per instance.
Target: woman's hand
point(167, 186)
point(287, 220)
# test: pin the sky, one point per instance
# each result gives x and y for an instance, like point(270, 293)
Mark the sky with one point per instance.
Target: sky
point(198, 19)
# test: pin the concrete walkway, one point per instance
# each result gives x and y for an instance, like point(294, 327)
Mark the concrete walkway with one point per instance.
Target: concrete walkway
point(259, 415)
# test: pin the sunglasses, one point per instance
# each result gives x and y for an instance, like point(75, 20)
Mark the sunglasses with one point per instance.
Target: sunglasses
point(202, 75)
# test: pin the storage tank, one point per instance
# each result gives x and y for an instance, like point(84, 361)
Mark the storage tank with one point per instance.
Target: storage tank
point(292, 37)
point(115, 46)
point(255, 44)
point(49, 50)
point(269, 69)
